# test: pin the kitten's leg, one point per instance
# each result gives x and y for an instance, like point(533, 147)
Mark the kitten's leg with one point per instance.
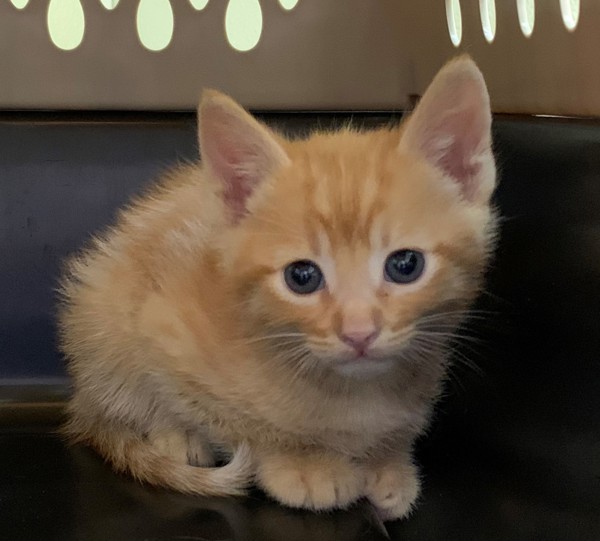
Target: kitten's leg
point(393, 487)
point(190, 447)
point(315, 481)
point(170, 443)
point(199, 450)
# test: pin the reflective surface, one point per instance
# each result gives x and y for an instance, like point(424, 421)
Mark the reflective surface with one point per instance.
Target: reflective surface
point(515, 450)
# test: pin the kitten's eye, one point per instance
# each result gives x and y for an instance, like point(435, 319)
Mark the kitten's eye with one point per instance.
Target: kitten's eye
point(303, 277)
point(404, 266)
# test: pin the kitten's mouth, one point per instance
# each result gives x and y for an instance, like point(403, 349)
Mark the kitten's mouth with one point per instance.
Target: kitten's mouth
point(363, 354)
point(366, 365)
point(374, 355)
point(370, 355)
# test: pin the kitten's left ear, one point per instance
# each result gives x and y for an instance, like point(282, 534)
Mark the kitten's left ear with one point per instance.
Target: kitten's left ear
point(237, 149)
point(451, 128)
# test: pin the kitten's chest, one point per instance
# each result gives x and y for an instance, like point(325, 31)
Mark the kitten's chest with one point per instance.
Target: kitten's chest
point(351, 421)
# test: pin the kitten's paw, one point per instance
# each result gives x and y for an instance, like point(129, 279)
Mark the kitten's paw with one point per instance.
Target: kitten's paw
point(313, 482)
point(393, 489)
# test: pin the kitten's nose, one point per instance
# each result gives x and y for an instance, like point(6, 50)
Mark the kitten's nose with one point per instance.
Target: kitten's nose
point(360, 340)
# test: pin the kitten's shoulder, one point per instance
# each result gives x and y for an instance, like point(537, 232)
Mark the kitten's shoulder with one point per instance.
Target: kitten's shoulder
point(183, 196)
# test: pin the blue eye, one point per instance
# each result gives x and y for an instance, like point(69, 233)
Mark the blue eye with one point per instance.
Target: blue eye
point(404, 266)
point(303, 277)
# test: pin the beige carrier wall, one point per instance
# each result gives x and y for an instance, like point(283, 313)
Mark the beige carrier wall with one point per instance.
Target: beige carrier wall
point(322, 54)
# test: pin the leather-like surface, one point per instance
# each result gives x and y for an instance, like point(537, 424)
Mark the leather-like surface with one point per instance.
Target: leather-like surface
point(515, 449)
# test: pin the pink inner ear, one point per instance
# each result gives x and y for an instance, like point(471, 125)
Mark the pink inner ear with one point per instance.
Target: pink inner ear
point(236, 196)
point(237, 150)
point(460, 141)
point(233, 152)
point(237, 168)
point(464, 173)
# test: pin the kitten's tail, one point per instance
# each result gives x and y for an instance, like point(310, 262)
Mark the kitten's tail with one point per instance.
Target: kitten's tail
point(128, 453)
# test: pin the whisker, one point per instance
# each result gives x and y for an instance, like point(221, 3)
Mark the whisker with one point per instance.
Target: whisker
point(287, 353)
point(457, 316)
point(428, 357)
point(273, 337)
point(448, 368)
point(456, 355)
point(450, 336)
point(451, 343)
point(302, 367)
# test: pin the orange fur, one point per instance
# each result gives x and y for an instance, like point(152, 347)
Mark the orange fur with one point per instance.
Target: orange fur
point(181, 335)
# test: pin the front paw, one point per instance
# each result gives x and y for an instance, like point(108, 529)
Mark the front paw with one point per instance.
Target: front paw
point(393, 489)
point(314, 482)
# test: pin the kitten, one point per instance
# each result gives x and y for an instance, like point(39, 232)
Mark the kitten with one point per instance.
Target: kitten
point(288, 302)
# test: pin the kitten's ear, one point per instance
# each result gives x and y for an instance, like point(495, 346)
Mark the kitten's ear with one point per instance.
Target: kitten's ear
point(238, 150)
point(451, 128)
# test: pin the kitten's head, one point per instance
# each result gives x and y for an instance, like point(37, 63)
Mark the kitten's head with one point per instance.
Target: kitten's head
point(349, 248)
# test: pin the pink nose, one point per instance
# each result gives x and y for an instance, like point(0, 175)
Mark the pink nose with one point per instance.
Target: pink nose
point(360, 340)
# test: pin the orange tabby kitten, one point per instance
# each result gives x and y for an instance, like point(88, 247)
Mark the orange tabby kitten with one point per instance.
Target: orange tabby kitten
point(280, 302)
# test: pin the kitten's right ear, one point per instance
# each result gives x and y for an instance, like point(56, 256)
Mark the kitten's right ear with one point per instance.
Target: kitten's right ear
point(238, 150)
